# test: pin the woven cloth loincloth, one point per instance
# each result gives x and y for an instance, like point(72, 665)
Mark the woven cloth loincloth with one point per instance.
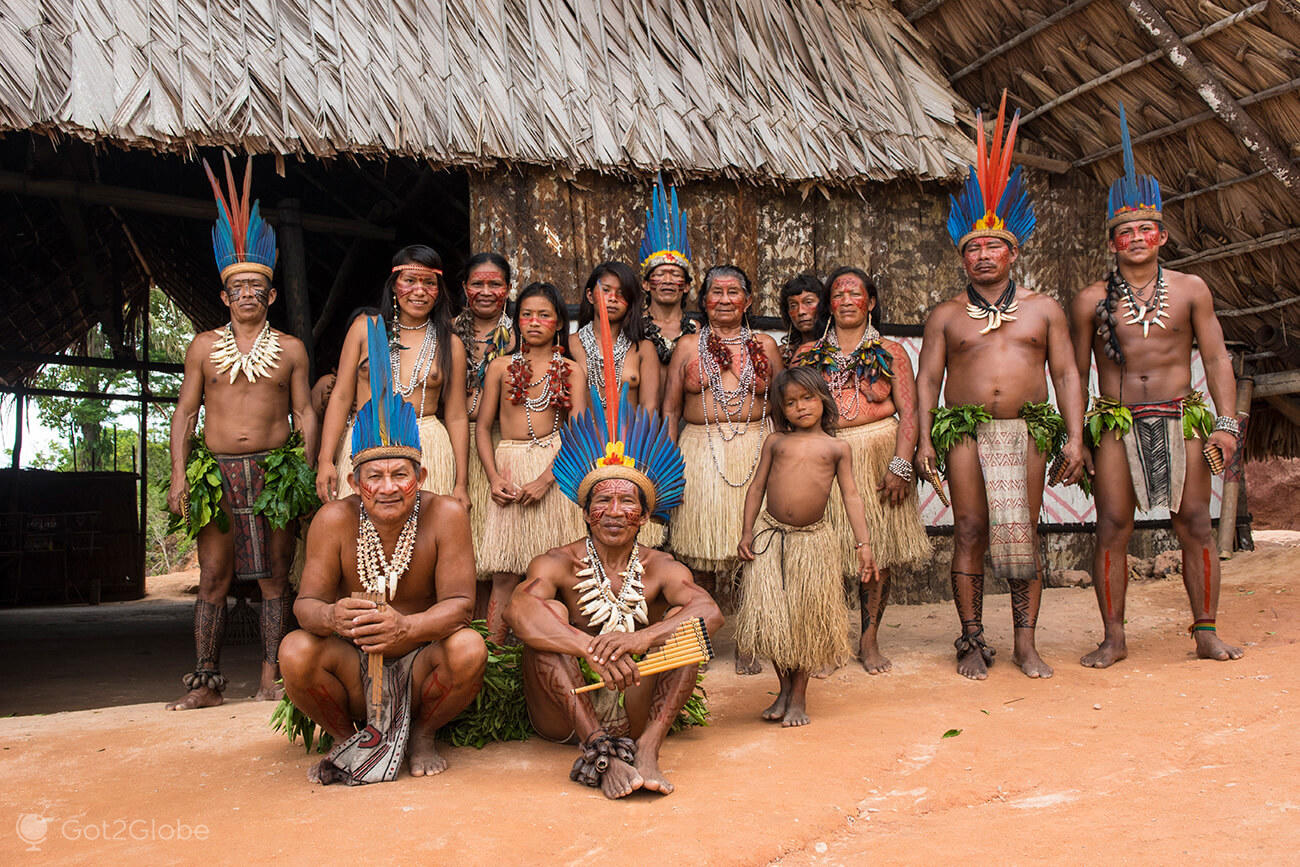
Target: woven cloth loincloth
point(242, 480)
point(514, 534)
point(1003, 446)
point(480, 495)
point(706, 526)
point(792, 608)
point(375, 753)
point(438, 458)
point(1156, 446)
point(897, 533)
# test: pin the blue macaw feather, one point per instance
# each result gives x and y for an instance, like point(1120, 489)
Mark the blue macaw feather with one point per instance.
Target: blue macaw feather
point(665, 223)
point(1131, 190)
point(386, 419)
point(258, 242)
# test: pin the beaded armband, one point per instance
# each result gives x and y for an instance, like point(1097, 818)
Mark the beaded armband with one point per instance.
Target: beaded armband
point(900, 468)
point(1227, 423)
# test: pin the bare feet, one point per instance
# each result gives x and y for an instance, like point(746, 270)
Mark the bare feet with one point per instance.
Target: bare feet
point(747, 663)
point(1210, 646)
point(313, 773)
point(205, 697)
point(795, 715)
point(971, 664)
point(1107, 654)
point(776, 710)
point(653, 779)
point(620, 779)
point(269, 689)
point(873, 661)
point(424, 758)
point(1030, 662)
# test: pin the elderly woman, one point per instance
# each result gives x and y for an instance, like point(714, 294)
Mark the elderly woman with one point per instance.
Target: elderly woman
point(872, 382)
point(718, 383)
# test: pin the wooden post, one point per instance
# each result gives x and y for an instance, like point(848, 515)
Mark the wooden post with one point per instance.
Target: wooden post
point(1234, 474)
point(144, 441)
point(294, 276)
point(19, 400)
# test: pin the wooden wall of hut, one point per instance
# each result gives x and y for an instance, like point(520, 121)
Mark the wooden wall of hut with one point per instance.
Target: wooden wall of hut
point(556, 228)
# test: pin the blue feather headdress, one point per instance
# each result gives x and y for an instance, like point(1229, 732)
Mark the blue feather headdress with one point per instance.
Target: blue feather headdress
point(1132, 196)
point(615, 440)
point(386, 426)
point(994, 202)
point(665, 241)
point(241, 239)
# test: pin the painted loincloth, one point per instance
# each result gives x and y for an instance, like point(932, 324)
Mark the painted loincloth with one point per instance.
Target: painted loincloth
point(437, 457)
point(792, 609)
point(897, 533)
point(705, 528)
point(242, 480)
point(1003, 447)
point(375, 753)
point(515, 534)
point(1156, 446)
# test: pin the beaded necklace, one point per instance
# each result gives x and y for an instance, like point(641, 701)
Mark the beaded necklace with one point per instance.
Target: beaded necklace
point(596, 361)
point(1137, 309)
point(869, 360)
point(612, 612)
point(554, 396)
point(728, 403)
point(378, 575)
point(423, 363)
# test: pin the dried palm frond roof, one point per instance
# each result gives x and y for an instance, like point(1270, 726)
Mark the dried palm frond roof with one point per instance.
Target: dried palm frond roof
point(797, 91)
point(1232, 220)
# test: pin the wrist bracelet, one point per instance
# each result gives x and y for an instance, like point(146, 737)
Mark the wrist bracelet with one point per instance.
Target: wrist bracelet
point(861, 545)
point(1227, 423)
point(900, 468)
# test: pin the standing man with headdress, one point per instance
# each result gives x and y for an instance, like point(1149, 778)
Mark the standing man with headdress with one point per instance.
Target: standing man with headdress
point(666, 271)
point(241, 483)
point(997, 431)
point(1140, 323)
point(603, 599)
point(386, 596)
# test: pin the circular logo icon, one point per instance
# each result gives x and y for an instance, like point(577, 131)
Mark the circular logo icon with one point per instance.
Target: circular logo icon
point(32, 830)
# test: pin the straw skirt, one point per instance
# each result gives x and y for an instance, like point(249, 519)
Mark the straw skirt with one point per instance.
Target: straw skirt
point(480, 495)
point(438, 459)
point(792, 608)
point(513, 535)
point(706, 526)
point(897, 533)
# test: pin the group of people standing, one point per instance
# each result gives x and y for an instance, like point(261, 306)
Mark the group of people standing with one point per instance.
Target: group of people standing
point(579, 483)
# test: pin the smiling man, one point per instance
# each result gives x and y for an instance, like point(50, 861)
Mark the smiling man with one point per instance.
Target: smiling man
point(389, 574)
point(996, 431)
point(1140, 324)
point(249, 378)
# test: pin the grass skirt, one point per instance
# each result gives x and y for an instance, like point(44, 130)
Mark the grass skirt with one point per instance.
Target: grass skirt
point(515, 534)
point(706, 526)
point(792, 608)
point(897, 532)
point(480, 495)
point(438, 459)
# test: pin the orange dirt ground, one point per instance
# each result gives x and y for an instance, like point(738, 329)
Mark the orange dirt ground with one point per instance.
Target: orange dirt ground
point(1160, 757)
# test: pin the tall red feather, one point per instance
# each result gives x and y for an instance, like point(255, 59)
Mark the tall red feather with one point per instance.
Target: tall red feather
point(607, 355)
point(216, 188)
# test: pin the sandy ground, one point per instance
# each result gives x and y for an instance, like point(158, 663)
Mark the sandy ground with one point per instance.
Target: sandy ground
point(1157, 758)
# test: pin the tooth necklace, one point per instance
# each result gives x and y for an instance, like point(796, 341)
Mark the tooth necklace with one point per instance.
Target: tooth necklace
point(996, 313)
point(1137, 310)
point(597, 600)
point(263, 358)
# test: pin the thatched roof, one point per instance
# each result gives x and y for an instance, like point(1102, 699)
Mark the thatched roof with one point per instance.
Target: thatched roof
point(797, 91)
point(1231, 219)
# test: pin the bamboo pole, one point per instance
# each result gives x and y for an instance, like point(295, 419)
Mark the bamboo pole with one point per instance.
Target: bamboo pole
point(374, 667)
point(1233, 474)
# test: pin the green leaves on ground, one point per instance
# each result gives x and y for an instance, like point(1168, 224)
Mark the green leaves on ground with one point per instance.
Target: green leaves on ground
point(951, 733)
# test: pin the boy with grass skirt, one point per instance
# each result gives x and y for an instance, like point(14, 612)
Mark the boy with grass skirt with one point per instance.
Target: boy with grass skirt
point(1155, 443)
point(996, 434)
point(239, 486)
point(605, 600)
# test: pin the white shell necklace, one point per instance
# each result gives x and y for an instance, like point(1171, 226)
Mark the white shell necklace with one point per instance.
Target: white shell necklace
point(378, 575)
point(612, 612)
point(260, 360)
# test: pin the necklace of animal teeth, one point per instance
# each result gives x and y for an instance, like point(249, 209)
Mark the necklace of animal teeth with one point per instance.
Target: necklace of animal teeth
point(996, 313)
point(260, 360)
point(612, 612)
point(1158, 306)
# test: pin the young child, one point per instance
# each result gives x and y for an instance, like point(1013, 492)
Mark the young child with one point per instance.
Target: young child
point(793, 608)
point(531, 393)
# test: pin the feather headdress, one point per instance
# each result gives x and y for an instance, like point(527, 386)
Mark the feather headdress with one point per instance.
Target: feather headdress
point(386, 426)
point(993, 203)
point(664, 242)
point(615, 440)
point(1132, 196)
point(241, 239)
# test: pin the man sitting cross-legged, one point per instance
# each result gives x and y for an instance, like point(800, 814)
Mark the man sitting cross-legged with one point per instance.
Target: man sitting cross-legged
point(410, 553)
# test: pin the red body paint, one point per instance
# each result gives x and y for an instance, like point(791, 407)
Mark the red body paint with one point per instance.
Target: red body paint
point(1105, 578)
point(432, 687)
point(1205, 554)
point(334, 716)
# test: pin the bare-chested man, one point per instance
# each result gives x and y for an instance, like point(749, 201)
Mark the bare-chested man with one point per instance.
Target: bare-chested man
point(388, 541)
point(1140, 324)
point(248, 378)
point(996, 428)
point(604, 598)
